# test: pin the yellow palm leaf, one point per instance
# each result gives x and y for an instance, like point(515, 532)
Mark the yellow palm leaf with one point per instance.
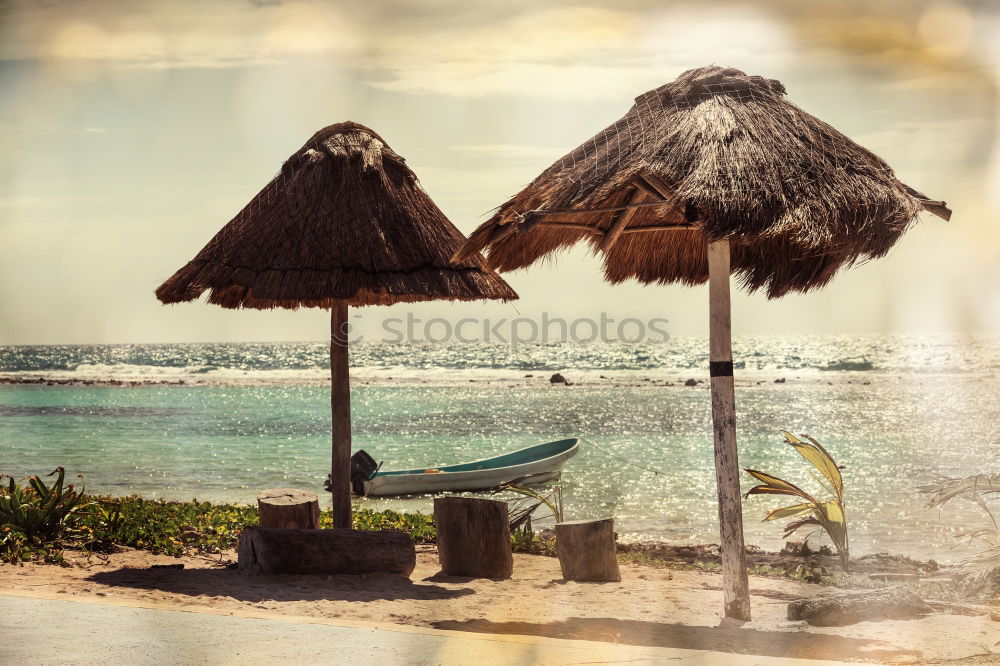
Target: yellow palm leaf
point(772, 485)
point(835, 523)
point(818, 457)
point(789, 511)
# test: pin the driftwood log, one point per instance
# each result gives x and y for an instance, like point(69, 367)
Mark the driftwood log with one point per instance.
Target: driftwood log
point(473, 537)
point(586, 550)
point(289, 508)
point(336, 551)
point(843, 608)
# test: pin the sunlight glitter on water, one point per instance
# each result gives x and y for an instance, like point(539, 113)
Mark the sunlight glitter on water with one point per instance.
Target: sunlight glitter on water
point(927, 408)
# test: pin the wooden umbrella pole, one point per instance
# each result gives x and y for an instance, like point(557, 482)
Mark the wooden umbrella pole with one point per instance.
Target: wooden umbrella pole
point(340, 408)
point(727, 467)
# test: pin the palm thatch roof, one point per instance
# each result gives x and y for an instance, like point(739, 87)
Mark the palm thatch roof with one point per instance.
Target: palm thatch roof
point(344, 220)
point(716, 154)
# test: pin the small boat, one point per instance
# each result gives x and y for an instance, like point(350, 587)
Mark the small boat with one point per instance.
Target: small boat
point(540, 464)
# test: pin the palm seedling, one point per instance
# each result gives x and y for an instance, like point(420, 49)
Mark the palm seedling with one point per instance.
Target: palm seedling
point(529, 499)
point(828, 515)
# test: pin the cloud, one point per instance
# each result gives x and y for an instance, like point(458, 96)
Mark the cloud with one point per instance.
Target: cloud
point(558, 50)
point(552, 51)
point(561, 34)
point(944, 142)
point(51, 129)
point(20, 202)
point(167, 34)
point(507, 151)
point(572, 52)
point(472, 79)
point(946, 81)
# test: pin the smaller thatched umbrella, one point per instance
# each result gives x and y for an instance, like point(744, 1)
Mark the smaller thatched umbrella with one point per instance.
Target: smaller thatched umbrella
point(712, 174)
point(344, 223)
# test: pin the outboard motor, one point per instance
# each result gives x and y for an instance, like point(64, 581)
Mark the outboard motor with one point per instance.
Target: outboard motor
point(363, 468)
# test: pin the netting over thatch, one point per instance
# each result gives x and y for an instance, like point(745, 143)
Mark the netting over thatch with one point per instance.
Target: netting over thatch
point(345, 219)
point(715, 154)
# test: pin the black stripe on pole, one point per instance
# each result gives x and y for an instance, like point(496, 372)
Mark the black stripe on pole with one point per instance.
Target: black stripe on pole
point(720, 368)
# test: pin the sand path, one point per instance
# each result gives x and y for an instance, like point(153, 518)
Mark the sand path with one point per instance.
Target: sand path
point(652, 606)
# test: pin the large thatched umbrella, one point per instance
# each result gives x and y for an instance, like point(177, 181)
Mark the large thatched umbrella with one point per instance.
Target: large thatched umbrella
point(712, 174)
point(345, 222)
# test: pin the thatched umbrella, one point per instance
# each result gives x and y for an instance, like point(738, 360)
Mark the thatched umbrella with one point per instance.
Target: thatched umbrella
point(712, 174)
point(344, 222)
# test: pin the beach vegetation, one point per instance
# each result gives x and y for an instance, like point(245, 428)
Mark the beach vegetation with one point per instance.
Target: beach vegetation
point(828, 515)
point(159, 526)
point(37, 513)
point(39, 520)
point(982, 568)
point(418, 526)
point(521, 511)
point(103, 524)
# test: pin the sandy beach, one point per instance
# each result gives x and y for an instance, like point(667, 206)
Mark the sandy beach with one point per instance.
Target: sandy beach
point(652, 606)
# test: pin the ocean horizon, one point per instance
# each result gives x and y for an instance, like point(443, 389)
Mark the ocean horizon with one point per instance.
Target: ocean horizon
point(222, 421)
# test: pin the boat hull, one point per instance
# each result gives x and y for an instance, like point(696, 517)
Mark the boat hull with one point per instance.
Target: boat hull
point(542, 464)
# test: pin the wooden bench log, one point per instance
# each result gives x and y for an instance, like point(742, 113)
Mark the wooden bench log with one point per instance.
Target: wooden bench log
point(272, 550)
point(586, 550)
point(288, 508)
point(473, 537)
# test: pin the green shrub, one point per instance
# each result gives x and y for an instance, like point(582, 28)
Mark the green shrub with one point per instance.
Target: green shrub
point(39, 522)
point(171, 528)
point(419, 526)
point(37, 512)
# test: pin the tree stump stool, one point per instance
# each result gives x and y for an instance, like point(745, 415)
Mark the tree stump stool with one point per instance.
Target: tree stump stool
point(473, 537)
point(336, 551)
point(288, 508)
point(586, 550)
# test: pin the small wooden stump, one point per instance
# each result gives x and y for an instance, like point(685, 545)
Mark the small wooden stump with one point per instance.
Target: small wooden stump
point(586, 550)
point(473, 537)
point(288, 508)
point(335, 551)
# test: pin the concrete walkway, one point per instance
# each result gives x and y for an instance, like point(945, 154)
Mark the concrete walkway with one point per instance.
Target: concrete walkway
point(50, 631)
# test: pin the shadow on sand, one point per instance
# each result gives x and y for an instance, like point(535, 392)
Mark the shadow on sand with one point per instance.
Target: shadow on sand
point(244, 587)
point(728, 637)
point(442, 577)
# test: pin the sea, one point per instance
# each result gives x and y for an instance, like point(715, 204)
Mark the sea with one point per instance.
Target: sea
point(223, 421)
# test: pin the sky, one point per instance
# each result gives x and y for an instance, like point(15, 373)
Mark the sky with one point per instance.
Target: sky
point(134, 131)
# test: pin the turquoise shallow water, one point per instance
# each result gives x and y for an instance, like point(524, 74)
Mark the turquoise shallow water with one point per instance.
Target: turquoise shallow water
point(225, 440)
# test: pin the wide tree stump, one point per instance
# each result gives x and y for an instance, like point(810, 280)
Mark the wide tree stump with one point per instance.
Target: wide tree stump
point(288, 508)
point(586, 550)
point(336, 551)
point(839, 609)
point(473, 537)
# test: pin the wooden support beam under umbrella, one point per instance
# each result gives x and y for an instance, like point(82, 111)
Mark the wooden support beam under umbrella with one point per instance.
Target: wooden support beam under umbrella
point(712, 175)
point(344, 223)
